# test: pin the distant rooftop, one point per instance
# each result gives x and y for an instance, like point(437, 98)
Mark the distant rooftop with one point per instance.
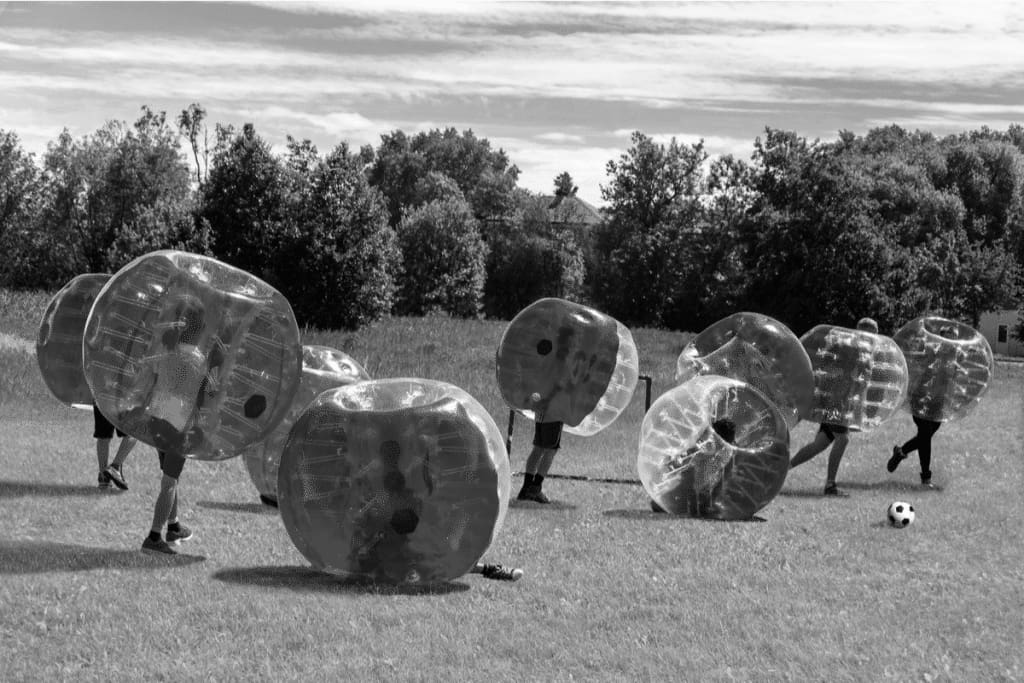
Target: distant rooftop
point(569, 209)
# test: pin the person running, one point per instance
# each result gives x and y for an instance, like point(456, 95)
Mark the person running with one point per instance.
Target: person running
point(103, 432)
point(920, 442)
point(704, 478)
point(838, 436)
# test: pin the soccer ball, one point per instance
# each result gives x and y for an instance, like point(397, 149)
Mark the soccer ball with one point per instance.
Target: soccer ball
point(900, 514)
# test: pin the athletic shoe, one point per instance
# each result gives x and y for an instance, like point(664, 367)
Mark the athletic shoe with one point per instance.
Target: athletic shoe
point(833, 490)
point(499, 573)
point(655, 507)
point(182, 534)
point(157, 546)
point(533, 493)
point(897, 457)
point(926, 482)
point(114, 475)
point(103, 481)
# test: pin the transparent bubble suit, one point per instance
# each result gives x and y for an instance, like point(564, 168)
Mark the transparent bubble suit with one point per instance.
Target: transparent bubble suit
point(59, 341)
point(191, 355)
point(860, 378)
point(394, 481)
point(950, 366)
point(689, 468)
point(758, 350)
point(323, 368)
point(559, 361)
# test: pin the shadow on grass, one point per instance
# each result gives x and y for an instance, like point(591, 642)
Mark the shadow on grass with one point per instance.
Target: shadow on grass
point(894, 485)
point(255, 508)
point(531, 505)
point(309, 579)
point(13, 489)
point(650, 515)
point(31, 557)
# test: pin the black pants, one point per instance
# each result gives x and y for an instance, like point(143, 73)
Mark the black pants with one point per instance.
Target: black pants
point(922, 443)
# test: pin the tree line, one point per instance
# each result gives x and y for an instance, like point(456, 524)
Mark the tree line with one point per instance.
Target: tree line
point(892, 224)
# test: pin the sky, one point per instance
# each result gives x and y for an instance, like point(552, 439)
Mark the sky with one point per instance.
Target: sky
point(558, 86)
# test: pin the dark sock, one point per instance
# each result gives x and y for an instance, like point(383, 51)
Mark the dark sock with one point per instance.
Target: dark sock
point(527, 479)
point(174, 526)
point(154, 536)
point(538, 479)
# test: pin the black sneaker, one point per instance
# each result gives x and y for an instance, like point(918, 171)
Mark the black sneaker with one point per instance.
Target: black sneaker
point(499, 573)
point(833, 490)
point(897, 457)
point(534, 494)
point(655, 507)
point(103, 481)
point(183, 533)
point(926, 482)
point(157, 546)
point(114, 475)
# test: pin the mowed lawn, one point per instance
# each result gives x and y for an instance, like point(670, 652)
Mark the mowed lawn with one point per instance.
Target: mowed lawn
point(815, 589)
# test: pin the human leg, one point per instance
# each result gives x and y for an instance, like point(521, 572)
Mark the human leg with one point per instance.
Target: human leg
point(925, 430)
point(820, 443)
point(547, 438)
point(165, 509)
point(835, 456)
point(114, 470)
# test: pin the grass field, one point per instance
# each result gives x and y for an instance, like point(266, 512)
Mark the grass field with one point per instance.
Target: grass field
point(819, 589)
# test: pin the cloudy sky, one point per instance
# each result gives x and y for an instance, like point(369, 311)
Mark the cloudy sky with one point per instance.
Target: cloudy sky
point(558, 86)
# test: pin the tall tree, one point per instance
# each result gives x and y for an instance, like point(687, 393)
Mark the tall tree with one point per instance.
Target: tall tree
point(338, 258)
point(642, 250)
point(564, 185)
point(485, 176)
point(191, 124)
point(244, 201)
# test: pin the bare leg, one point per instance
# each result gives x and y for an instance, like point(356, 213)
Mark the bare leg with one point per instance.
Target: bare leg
point(166, 503)
point(819, 444)
point(102, 453)
point(835, 456)
point(123, 449)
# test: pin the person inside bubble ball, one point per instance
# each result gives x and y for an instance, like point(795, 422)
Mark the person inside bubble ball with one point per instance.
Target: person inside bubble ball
point(922, 440)
point(704, 503)
point(836, 435)
point(184, 379)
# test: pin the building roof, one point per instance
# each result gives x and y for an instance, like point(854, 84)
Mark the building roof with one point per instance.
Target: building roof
point(571, 209)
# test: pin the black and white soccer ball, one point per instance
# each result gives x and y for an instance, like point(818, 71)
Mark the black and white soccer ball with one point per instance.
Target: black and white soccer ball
point(900, 514)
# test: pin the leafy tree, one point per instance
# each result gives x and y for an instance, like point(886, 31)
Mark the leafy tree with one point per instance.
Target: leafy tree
point(530, 257)
point(244, 201)
point(190, 124)
point(564, 185)
point(445, 258)
point(338, 258)
point(485, 176)
point(643, 251)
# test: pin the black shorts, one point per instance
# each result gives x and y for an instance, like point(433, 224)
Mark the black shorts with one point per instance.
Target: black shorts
point(171, 464)
point(548, 435)
point(832, 430)
point(102, 428)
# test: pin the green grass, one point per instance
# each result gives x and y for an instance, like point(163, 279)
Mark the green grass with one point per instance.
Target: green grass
point(819, 590)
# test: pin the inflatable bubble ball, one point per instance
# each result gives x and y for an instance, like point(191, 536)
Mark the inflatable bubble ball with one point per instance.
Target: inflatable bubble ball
point(559, 361)
point(950, 366)
point(394, 481)
point(713, 447)
point(758, 350)
point(860, 378)
point(59, 341)
point(323, 368)
point(191, 355)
